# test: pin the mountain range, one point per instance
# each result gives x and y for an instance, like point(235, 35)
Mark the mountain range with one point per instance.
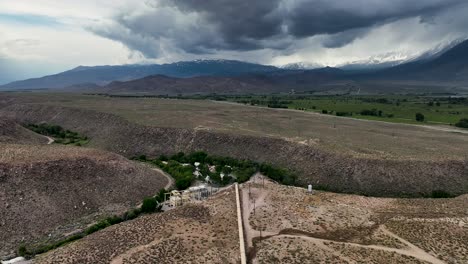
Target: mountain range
point(445, 68)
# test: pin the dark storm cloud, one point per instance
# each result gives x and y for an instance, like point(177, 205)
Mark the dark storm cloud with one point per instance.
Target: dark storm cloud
point(206, 26)
point(238, 21)
point(343, 38)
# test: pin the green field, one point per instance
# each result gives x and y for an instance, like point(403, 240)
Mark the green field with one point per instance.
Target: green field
point(398, 109)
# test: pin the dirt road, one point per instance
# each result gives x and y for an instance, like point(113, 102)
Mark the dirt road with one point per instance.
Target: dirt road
point(51, 140)
point(411, 250)
point(170, 180)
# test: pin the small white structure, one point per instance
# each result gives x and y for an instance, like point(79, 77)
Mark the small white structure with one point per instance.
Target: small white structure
point(164, 162)
point(178, 198)
point(175, 198)
point(221, 175)
point(196, 164)
point(207, 179)
point(197, 173)
point(185, 164)
point(15, 260)
point(212, 168)
point(309, 189)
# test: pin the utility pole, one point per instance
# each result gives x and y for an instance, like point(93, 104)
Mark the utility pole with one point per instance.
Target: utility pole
point(254, 206)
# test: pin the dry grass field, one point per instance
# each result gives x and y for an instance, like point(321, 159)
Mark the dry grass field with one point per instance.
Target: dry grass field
point(298, 227)
point(195, 233)
point(359, 138)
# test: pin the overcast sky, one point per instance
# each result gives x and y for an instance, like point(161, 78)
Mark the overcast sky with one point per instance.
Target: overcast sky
point(39, 37)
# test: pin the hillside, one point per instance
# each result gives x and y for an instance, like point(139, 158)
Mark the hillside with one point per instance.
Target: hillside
point(445, 68)
point(283, 224)
point(49, 191)
point(197, 233)
point(298, 227)
point(337, 153)
point(281, 81)
point(448, 66)
point(11, 132)
point(162, 85)
point(103, 75)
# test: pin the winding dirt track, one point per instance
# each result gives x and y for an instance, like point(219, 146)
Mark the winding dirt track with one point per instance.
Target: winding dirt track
point(412, 251)
point(51, 140)
point(170, 180)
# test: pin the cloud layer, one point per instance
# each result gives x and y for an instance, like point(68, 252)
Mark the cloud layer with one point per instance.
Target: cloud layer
point(210, 26)
point(38, 37)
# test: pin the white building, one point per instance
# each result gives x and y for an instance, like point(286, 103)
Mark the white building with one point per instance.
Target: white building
point(212, 168)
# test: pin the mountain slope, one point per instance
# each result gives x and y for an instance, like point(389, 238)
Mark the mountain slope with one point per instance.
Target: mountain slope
point(160, 84)
point(280, 81)
point(451, 65)
point(103, 75)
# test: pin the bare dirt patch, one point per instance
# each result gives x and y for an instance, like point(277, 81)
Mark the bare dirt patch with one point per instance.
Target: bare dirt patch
point(340, 228)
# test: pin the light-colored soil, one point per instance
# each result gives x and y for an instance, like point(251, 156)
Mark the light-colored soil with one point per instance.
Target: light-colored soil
point(195, 233)
point(50, 140)
point(352, 229)
point(170, 180)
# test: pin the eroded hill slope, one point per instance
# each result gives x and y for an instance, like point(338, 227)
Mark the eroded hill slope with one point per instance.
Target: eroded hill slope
point(11, 132)
point(314, 164)
point(49, 191)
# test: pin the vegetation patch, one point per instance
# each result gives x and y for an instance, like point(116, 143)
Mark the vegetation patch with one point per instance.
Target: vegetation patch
point(220, 170)
point(60, 135)
point(463, 123)
point(439, 194)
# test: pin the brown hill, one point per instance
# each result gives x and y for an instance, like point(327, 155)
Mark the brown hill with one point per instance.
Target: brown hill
point(162, 85)
point(340, 170)
point(11, 132)
point(49, 191)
